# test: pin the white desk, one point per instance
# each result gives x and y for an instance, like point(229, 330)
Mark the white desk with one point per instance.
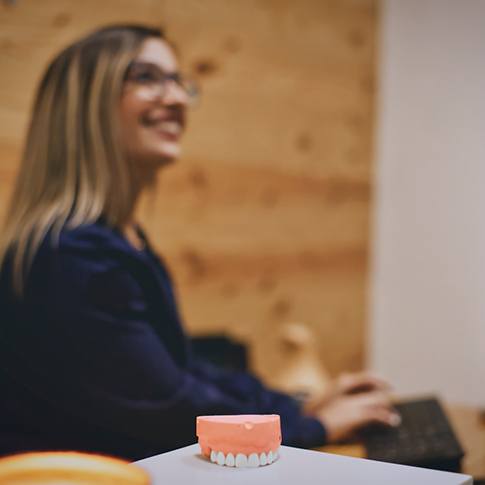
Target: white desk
point(295, 467)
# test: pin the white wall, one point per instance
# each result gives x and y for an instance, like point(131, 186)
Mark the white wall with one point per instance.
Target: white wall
point(427, 317)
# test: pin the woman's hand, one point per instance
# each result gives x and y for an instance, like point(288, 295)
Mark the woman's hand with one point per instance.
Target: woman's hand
point(351, 383)
point(345, 384)
point(346, 414)
point(352, 401)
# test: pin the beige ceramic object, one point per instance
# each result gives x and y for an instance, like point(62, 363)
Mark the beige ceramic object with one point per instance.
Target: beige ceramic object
point(302, 371)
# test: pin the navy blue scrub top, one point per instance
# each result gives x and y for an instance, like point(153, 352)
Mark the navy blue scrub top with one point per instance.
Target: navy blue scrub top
point(94, 357)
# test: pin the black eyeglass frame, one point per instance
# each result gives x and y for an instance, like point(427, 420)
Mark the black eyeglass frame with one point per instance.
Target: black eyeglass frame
point(152, 74)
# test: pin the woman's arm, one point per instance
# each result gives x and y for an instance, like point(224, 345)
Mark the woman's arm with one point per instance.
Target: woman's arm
point(102, 361)
point(298, 429)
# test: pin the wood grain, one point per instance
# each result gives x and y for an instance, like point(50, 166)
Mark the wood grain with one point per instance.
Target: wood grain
point(265, 219)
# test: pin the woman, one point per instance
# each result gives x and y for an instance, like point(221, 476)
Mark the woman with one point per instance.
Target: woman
point(92, 352)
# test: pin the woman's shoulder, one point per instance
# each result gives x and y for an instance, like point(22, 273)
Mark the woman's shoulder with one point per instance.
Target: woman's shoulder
point(87, 237)
point(87, 247)
point(83, 254)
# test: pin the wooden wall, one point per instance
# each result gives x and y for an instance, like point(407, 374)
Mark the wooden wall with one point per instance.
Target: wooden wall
point(265, 219)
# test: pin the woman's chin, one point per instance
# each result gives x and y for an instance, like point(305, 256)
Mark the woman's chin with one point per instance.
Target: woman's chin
point(161, 159)
point(153, 160)
point(168, 153)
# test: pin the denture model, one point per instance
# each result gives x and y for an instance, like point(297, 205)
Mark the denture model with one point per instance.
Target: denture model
point(245, 440)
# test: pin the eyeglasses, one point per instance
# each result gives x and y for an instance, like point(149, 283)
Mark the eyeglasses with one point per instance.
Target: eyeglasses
point(156, 81)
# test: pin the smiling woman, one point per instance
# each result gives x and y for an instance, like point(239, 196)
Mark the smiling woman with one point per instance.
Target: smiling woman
point(73, 146)
point(93, 355)
point(74, 169)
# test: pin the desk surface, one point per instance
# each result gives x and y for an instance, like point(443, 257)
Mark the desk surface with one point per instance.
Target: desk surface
point(467, 425)
point(295, 467)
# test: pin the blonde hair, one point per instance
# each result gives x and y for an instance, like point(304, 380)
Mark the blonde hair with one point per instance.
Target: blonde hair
point(72, 170)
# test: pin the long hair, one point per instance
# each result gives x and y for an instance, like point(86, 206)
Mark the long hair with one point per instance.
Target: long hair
point(72, 170)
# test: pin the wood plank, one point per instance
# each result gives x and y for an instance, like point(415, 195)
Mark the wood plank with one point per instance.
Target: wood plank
point(265, 219)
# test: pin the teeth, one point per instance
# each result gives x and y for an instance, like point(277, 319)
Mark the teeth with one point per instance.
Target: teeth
point(221, 459)
point(230, 460)
point(241, 460)
point(253, 460)
point(270, 457)
point(169, 127)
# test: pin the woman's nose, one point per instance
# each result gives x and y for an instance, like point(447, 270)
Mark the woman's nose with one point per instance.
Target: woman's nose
point(175, 94)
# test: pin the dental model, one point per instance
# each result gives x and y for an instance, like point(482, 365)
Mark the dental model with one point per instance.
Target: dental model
point(245, 440)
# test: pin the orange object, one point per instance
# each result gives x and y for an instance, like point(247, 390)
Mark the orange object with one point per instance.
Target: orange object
point(255, 438)
point(69, 468)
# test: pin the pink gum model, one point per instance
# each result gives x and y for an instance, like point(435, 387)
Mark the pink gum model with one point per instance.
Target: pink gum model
point(240, 434)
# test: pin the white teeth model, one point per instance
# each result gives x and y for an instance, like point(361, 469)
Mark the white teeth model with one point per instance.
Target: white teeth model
point(241, 461)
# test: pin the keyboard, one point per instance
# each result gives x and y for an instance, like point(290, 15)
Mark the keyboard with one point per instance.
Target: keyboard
point(424, 438)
